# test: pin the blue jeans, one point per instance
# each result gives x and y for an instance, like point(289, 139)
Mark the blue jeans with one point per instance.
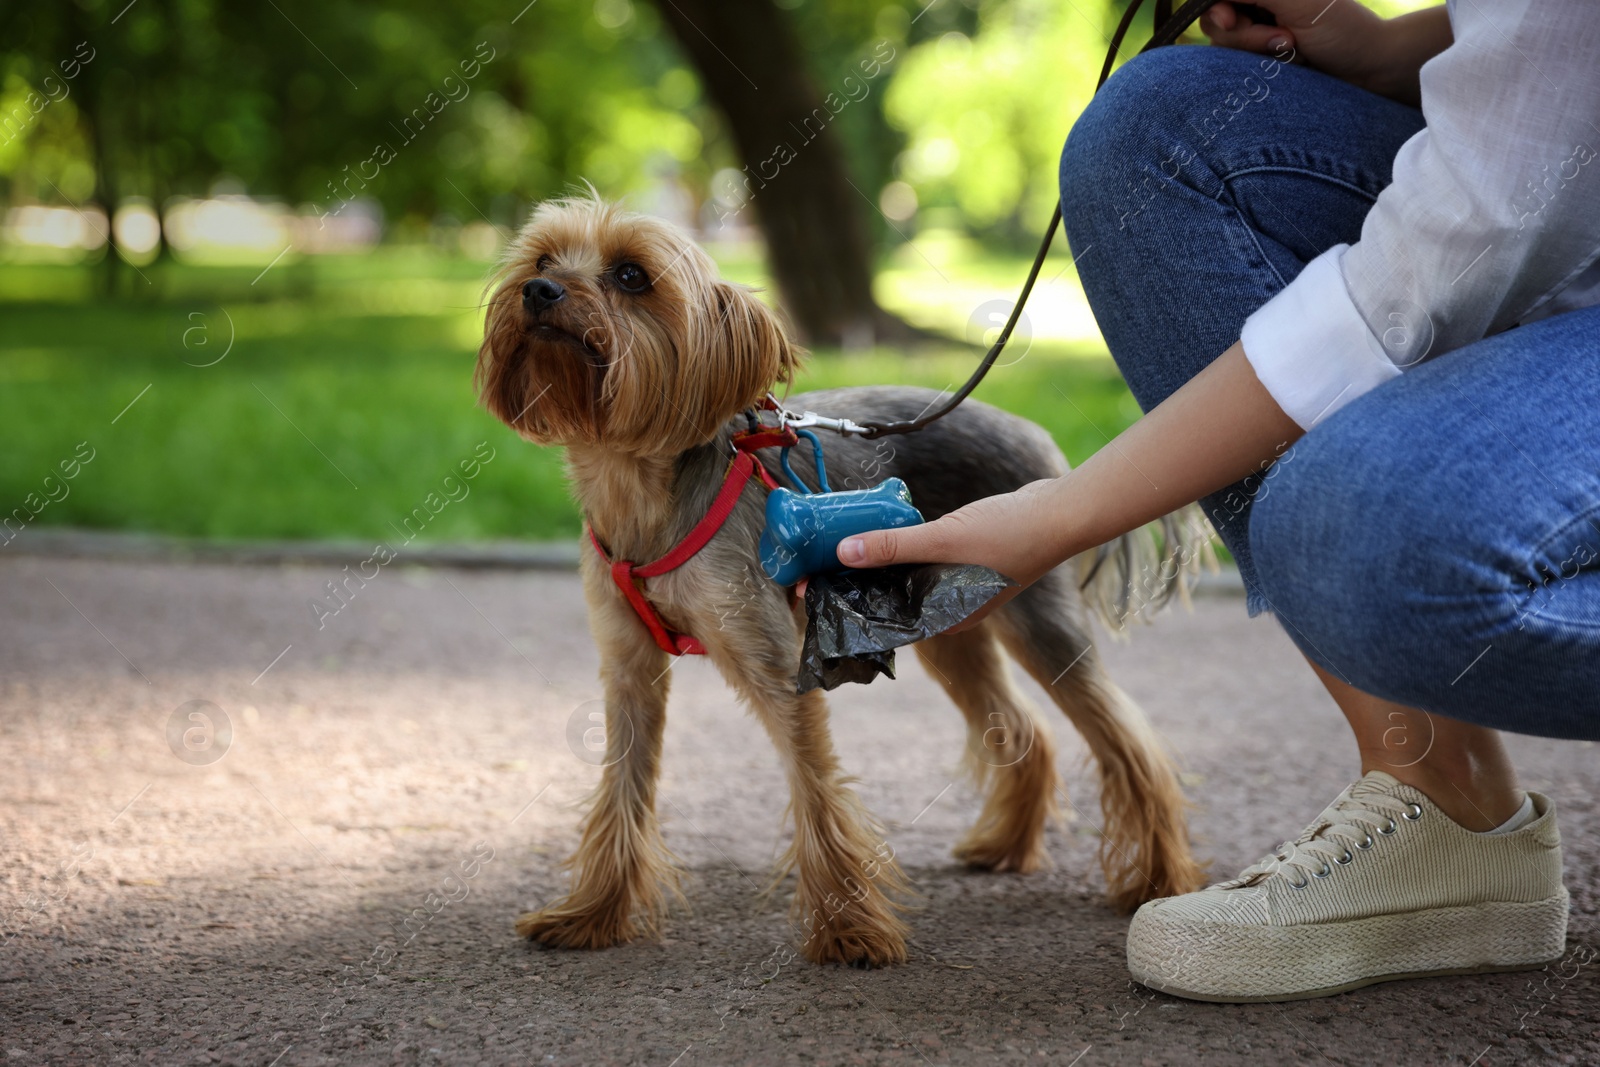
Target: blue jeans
point(1437, 541)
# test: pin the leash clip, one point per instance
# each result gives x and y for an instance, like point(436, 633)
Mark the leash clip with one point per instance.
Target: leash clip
point(808, 419)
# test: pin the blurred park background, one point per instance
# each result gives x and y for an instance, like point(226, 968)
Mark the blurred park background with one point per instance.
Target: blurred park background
point(243, 245)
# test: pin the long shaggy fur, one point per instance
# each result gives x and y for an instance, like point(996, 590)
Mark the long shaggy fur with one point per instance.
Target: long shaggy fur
point(644, 386)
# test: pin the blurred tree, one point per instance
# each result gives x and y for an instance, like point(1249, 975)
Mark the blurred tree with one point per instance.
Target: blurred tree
point(472, 109)
point(448, 113)
point(794, 172)
point(434, 111)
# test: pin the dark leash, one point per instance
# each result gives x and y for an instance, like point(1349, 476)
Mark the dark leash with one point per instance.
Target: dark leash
point(1169, 26)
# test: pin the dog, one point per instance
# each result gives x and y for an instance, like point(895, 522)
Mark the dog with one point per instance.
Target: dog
point(611, 334)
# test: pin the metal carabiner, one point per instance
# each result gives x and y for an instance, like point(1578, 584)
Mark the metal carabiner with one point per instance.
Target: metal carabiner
point(810, 419)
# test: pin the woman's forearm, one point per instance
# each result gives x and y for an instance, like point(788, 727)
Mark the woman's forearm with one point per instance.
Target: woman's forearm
point(1218, 428)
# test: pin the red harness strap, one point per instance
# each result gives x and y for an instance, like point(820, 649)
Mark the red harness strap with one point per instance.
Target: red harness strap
point(625, 573)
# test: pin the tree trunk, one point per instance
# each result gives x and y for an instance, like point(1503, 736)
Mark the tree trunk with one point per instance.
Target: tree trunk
point(794, 176)
point(90, 95)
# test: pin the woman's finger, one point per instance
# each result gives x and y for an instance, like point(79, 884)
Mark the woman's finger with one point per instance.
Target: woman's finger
point(883, 548)
point(1220, 19)
point(953, 538)
point(1250, 37)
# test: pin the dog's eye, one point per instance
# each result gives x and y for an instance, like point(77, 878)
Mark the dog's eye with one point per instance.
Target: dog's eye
point(543, 264)
point(631, 276)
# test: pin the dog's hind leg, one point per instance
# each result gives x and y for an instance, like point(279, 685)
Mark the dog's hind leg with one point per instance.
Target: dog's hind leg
point(1010, 750)
point(1144, 849)
point(622, 871)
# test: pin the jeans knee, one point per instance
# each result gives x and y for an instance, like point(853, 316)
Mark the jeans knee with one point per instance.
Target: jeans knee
point(1131, 141)
point(1365, 568)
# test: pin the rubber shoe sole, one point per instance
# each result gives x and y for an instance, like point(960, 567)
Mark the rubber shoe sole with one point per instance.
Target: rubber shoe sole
point(1306, 961)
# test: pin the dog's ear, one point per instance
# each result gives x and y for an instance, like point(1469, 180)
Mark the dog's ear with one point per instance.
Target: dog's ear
point(722, 351)
point(759, 349)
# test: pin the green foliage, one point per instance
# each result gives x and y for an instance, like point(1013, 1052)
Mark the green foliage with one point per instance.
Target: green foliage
point(985, 115)
point(478, 114)
point(985, 108)
point(296, 99)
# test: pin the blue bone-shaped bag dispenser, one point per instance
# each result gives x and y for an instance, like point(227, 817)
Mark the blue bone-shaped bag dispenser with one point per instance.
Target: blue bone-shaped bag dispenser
point(803, 532)
point(855, 619)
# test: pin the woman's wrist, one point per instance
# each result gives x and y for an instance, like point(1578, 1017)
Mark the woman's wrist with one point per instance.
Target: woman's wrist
point(1407, 42)
point(1048, 523)
point(1074, 519)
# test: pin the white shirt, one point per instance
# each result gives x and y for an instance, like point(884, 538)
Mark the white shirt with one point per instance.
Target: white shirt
point(1493, 217)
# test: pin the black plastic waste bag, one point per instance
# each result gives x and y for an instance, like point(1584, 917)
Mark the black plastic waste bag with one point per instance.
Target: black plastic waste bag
point(856, 619)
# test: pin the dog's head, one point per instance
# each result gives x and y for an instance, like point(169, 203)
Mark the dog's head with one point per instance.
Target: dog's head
point(610, 328)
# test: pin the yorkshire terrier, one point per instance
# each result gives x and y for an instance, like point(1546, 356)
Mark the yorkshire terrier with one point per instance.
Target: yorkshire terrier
point(611, 334)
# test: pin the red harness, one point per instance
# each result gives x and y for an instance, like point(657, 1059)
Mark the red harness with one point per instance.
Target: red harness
point(627, 575)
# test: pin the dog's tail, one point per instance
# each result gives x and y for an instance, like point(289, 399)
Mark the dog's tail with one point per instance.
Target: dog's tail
point(1142, 572)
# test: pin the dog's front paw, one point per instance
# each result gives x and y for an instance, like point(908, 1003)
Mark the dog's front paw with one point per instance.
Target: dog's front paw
point(862, 930)
point(857, 946)
point(563, 926)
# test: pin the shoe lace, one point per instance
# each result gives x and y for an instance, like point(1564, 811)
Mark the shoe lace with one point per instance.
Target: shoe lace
point(1351, 824)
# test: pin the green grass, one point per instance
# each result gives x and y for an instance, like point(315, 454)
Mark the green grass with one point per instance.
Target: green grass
point(345, 400)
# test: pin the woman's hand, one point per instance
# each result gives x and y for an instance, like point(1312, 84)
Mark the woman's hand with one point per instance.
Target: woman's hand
point(1217, 428)
point(1341, 38)
point(1337, 38)
point(1023, 535)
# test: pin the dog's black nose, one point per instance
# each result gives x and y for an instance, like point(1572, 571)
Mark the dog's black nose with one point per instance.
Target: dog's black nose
point(540, 293)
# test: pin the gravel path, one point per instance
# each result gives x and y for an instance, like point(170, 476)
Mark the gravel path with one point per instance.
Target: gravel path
point(171, 903)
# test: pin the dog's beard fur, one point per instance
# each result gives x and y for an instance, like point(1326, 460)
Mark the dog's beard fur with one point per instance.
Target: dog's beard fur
point(652, 372)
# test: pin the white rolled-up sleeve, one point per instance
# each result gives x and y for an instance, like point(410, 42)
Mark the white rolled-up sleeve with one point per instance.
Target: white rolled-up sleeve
point(1493, 211)
point(1310, 346)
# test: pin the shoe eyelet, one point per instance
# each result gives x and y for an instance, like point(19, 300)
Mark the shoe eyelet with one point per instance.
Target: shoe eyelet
point(1412, 813)
point(1391, 828)
point(1326, 870)
point(1345, 859)
point(1299, 885)
point(1368, 843)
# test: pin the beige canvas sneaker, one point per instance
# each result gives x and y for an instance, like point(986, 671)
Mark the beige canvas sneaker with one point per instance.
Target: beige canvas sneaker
point(1383, 885)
